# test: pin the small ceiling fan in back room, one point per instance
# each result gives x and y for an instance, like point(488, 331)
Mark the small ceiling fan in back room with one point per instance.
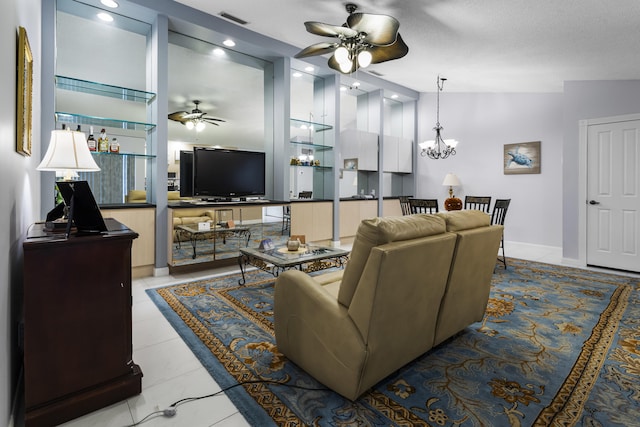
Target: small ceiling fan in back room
point(364, 39)
point(195, 119)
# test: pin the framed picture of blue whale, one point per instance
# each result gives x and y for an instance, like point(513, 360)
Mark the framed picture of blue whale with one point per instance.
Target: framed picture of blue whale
point(521, 158)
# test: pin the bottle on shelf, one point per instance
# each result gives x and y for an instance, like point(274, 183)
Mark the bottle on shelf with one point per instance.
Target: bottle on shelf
point(114, 147)
point(103, 142)
point(91, 141)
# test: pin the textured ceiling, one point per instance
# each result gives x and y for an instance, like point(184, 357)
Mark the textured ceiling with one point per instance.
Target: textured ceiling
point(480, 46)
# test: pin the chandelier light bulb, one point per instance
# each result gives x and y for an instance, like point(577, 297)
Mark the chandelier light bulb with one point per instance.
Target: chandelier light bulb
point(190, 125)
point(364, 58)
point(342, 55)
point(200, 126)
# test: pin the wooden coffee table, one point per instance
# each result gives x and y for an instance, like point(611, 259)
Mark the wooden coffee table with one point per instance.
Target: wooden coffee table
point(308, 258)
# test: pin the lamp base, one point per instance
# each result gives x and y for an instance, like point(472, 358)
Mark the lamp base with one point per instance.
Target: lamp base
point(453, 204)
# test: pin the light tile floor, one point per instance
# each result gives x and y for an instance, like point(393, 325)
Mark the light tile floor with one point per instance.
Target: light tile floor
point(172, 372)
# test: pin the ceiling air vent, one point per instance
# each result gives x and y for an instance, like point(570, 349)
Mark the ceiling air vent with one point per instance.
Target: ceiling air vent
point(233, 18)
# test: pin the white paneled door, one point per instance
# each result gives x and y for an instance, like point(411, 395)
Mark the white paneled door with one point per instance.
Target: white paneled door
point(613, 195)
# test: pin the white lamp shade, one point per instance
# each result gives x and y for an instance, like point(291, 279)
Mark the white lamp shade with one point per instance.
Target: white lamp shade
point(364, 58)
point(341, 54)
point(451, 142)
point(200, 126)
point(345, 66)
point(451, 180)
point(190, 125)
point(68, 151)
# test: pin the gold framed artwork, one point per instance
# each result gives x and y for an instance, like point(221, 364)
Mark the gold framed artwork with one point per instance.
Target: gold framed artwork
point(24, 95)
point(521, 158)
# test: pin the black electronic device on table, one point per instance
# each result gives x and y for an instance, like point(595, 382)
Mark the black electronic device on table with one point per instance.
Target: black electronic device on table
point(84, 212)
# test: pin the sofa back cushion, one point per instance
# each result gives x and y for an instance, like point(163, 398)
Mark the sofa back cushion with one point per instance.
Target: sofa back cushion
point(395, 305)
point(464, 220)
point(377, 231)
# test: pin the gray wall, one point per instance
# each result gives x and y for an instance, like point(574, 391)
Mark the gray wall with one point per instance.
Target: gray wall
point(21, 182)
point(587, 100)
point(483, 123)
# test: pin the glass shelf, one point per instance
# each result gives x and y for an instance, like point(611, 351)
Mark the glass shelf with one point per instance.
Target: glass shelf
point(79, 119)
point(314, 167)
point(102, 89)
point(316, 147)
point(108, 153)
point(306, 124)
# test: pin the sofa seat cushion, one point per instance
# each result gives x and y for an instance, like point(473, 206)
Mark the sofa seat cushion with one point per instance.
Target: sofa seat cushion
point(464, 220)
point(377, 231)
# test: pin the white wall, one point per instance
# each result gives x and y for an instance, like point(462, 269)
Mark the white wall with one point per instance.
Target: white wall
point(483, 123)
point(21, 181)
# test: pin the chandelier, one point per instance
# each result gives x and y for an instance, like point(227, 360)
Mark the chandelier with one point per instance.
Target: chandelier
point(438, 148)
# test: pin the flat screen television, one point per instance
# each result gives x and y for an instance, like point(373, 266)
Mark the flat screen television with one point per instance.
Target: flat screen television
point(220, 173)
point(186, 173)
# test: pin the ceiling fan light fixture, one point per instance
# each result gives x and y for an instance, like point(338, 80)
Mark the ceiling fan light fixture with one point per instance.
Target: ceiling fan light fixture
point(342, 55)
point(190, 125)
point(345, 66)
point(364, 58)
point(364, 39)
point(200, 126)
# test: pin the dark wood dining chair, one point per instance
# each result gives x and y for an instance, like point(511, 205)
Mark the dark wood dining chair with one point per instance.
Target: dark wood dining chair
point(429, 206)
point(404, 205)
point(481, 203)
point(497, 217)
point(286, 218)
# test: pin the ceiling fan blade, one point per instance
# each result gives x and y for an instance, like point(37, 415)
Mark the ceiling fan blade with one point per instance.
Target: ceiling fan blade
point(329, 30)
point(387, 53)
point(178, 116)
point(381, 30)
point(212, 120)
point(191, 116)
point(317, 49)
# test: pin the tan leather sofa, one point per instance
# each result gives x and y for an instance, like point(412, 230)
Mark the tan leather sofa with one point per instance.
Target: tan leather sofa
point(189, 216)
point(410, 283)
point(140, 196)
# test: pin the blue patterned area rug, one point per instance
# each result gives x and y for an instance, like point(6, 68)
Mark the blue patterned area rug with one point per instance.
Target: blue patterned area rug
point(557, 346)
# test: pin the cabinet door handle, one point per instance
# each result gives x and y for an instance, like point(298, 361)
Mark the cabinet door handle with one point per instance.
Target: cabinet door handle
point(593, 202)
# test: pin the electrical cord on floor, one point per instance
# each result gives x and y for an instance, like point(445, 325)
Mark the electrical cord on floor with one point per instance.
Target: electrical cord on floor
point(172, 409)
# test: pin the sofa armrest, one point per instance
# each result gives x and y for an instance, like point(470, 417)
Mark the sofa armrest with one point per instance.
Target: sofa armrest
point(314, 331)
point(301, 299)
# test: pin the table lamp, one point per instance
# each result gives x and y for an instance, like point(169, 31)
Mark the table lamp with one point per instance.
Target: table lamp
point(67, 154)
point(452, 203)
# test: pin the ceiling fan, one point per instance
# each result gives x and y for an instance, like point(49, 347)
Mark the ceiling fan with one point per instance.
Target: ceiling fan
point(364, 39)
point(194, 119)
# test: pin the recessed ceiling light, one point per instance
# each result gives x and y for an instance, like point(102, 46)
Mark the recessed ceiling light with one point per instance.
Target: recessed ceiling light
point(309, 69)
point(394, 96)
point(355, 84)
point(105, 17)
point(297, 74)
point(109, 3)
point(343, 88)
point(229, 43)
point(218, 51)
